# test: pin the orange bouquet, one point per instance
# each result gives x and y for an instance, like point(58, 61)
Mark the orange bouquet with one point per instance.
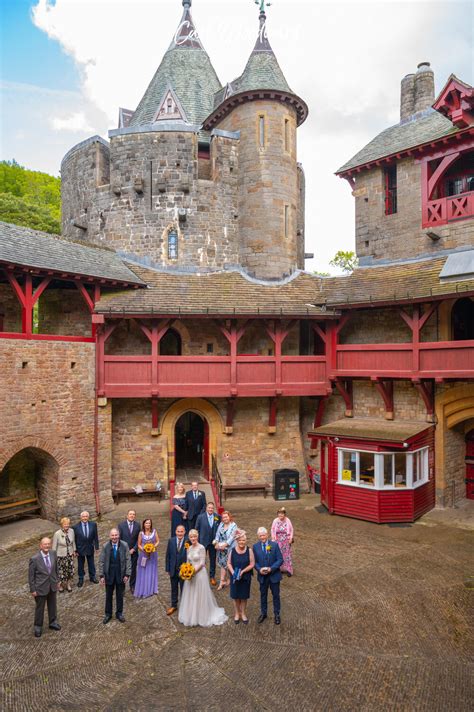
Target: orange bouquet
point(149, 548)
point(186, 572)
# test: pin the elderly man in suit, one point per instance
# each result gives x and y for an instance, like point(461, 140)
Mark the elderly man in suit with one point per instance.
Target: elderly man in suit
point(268, 559)
point(206, 525)
point(43, 582)
point(115, 567)
point(175, 556)
point(87, 542)
point(129, 531)
point(195, 504)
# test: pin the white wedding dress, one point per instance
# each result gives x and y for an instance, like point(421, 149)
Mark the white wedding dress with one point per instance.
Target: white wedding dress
point(198, 605)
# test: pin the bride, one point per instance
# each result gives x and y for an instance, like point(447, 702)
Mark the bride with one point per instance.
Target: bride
point(198, 605)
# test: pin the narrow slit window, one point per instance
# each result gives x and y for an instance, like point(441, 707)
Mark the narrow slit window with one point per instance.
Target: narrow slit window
point(287, 135)
point(390, 190)
point(172, 245)
point(261, 131)
point(287, 220)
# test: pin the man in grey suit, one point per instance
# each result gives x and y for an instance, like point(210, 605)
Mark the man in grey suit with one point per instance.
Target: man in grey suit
point(115, 568)
point(43, 581)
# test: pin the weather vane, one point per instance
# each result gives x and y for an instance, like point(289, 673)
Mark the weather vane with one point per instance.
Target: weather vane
point(262, 4)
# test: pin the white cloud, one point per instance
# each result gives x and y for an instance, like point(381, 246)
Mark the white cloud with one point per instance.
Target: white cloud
point(73, 122)
point(345, 59)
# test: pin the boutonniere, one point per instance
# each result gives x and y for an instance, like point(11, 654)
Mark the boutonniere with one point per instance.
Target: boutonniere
point(216, 519)
point(186, 546)
point(268, 547)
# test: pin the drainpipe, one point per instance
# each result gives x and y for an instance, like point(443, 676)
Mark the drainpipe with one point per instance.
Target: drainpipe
point(95, 483)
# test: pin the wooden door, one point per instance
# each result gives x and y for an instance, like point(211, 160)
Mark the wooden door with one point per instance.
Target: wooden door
point(470, 465)
point(324, 473)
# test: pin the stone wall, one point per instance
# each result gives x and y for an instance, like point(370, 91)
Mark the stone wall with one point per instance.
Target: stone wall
point(400, 235)
point(153, 176)
point(10, 309)
point(268, 182)
point(63, 311)
point(48, 408)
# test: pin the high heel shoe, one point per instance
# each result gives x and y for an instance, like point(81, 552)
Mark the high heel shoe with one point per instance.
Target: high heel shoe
point(237, 621)
point(220, 587)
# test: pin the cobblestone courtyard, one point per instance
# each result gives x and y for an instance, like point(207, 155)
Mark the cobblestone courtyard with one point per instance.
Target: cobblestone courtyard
point(375, 618)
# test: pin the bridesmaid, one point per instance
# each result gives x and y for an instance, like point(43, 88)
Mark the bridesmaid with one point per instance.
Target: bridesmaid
point(147, 567)
point(241, 562)
point(282, 533)
point(224, 542)
point(179, 515)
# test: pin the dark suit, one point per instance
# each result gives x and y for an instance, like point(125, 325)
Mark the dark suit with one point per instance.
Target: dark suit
point(113, 569)
point(194, 506)
point(207, 535)
point(45, 583)
point(85, 547)
point(131, 538)
point(173, 561)
point(274, 559)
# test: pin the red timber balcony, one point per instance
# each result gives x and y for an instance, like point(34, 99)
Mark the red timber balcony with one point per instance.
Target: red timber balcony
point(450, 209)
point(176, 376)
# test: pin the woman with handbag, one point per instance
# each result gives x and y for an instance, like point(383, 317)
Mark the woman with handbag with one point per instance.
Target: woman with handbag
point(147, 566)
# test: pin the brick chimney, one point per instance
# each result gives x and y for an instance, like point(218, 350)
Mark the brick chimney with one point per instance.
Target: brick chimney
point(424, 87)
point(407, 96)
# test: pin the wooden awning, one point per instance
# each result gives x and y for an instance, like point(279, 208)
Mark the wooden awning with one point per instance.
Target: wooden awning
point(370, 429)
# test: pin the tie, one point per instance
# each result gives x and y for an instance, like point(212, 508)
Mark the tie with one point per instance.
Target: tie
point(179, 544)
point(195, 495)
point(210, 521)
point(130, 526)
point(263, 548)
point(86, 529)
point(115, 551)
point(47, 561)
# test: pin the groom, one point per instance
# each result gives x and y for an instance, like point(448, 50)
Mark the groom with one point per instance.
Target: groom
point(195, 504)
point(175, 556)
point(268, 559)
point(206, 525)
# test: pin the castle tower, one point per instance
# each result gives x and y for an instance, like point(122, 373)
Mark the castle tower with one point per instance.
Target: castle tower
point(261, 106)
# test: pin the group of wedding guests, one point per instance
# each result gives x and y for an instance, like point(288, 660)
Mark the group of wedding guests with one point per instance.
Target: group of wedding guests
point(131, 556)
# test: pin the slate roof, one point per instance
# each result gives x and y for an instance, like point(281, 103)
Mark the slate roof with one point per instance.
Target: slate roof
point(33, 248)
point(188, 70)
point(371, 429)
point(220, 293)
point(396, 282)
point(406, 134)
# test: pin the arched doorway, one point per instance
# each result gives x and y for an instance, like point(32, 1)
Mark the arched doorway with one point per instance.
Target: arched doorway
point(170, 344)
point(191, 443)
point(31, 473)
point(462, 319)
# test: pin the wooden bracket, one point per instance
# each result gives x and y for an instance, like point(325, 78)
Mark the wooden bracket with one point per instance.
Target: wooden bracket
point(272, 415)
point(154, 417)
point(86, 296)
point(229, 420)
point(345, 389)
point(426, 390)
point(385, 388)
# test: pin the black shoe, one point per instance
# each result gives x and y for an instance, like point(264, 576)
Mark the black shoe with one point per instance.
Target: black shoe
point(236, 621)
point(106, 619)
point(80, 583)
point(120, 617)
point(261, 617)
point(277, 620)
point(245, 622)
point(55, 626)
point(95, 580)
point(38, 631)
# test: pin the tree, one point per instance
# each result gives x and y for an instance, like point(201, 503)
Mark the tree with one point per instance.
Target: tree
point(29, 198)
point(347, 261)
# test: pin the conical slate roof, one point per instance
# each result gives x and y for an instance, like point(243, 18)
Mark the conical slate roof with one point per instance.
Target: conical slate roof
point(262, 70)
point(187, 70)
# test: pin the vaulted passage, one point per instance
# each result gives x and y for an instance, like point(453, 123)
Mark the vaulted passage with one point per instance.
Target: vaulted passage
point(29, 484)
point(190, 441)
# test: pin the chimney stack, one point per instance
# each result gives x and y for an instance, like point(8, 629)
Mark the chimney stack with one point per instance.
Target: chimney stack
point(424, 87)
point(407, 96)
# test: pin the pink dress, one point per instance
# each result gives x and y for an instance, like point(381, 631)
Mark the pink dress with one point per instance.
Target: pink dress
point(282, 533)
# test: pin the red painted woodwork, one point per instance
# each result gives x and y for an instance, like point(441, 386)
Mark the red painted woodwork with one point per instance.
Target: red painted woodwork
point(46, 337)
point(449, 209)
point(345, 390)
point(456, 101)
point(385, 388)
point(470, 465)
point(379, 506)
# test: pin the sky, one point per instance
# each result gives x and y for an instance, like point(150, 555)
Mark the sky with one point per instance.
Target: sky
point(67, 65)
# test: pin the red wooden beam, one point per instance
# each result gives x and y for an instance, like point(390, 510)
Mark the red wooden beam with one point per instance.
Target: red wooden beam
point(385, 388)
point(87, 297)
point(272, 415)
point(318, 419)
point(345, 389)
point(440, 171)
point(40, 289)
point(426, 390)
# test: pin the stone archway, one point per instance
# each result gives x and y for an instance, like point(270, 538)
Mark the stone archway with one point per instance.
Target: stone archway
point(205, 410)
point(32, 472)
point(455, 417)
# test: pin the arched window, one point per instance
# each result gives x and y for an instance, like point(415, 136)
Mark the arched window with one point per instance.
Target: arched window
point(172, 245)
point(170, 344)
point(462, 319)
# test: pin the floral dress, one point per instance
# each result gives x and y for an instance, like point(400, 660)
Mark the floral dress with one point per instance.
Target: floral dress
point(282, 533)
point(225, 536)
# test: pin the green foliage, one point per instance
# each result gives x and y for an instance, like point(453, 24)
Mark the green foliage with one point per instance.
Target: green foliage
point(347, 261)
point(29, 198)
point(321, 274)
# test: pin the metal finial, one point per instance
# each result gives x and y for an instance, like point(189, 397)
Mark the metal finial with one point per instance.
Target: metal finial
point(263, 4)
point(187, 3)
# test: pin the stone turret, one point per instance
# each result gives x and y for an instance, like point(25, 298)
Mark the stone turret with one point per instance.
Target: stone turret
point(261, 106)
point(417, 91)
